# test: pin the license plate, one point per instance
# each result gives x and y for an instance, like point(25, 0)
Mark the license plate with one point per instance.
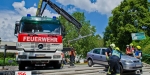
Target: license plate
point(40, 55)
point(39, 64)
point(138, 65)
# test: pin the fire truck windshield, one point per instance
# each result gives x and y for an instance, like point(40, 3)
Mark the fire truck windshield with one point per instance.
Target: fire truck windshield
point(36, 27)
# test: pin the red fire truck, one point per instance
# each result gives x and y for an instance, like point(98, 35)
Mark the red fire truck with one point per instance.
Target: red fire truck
point(40, 38)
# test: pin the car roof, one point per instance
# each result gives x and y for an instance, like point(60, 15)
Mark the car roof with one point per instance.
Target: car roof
point(101, 48)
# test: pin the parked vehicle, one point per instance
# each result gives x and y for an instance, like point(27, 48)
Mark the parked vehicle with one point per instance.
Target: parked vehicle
point(127, 63)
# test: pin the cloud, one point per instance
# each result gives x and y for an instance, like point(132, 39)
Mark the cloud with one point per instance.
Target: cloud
point(9, 17)
point(102, 6)
point(71, 9)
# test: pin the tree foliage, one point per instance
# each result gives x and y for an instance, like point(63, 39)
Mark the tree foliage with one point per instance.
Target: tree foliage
point(130, 16)
point(82, 46)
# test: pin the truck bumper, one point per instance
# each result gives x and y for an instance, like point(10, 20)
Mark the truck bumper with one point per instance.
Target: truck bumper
point(33, 56)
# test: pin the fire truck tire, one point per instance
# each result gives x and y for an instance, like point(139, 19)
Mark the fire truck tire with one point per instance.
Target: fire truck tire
point(58, 65)
point(21, 66)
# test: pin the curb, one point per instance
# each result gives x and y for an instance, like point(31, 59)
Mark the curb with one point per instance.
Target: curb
point(145, 64)
point(1, 69)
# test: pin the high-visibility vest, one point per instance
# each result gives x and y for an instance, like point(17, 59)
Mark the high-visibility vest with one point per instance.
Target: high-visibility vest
point(116, 53)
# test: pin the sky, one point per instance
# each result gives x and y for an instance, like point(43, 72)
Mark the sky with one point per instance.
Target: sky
point(96, 11)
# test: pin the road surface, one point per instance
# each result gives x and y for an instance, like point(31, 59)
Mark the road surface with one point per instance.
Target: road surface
point(78, 70)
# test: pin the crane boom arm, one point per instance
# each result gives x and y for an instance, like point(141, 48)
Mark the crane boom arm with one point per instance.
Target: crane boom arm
point(60, 11)
point(38, 12)
point(64, 14)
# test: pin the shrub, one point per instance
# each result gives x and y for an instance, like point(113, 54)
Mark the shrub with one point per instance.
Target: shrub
point(8, 55)
point(8, 62)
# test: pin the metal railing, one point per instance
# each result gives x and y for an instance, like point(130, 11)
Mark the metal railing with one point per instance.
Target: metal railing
point(5, 47)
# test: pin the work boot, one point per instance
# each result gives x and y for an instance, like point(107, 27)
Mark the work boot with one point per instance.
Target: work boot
point(117, 74)
point(108, 73)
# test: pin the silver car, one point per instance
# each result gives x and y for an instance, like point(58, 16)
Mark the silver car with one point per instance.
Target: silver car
point(127, 63)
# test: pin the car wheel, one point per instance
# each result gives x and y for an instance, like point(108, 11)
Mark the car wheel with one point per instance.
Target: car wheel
point(121, 69)
point(90, 63)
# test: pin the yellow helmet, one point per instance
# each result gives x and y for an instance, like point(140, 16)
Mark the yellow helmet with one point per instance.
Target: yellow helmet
point(112, 45)
point(138, 47)
point(117, 48)
point(131, 44)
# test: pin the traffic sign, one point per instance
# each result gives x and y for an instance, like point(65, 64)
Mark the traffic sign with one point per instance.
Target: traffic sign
point(138, 36)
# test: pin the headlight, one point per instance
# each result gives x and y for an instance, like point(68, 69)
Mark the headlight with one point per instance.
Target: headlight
point(56, 56)
point(128, 61)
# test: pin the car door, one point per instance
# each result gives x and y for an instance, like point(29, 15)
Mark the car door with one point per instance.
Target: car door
point(96, 55)
point(103, 59)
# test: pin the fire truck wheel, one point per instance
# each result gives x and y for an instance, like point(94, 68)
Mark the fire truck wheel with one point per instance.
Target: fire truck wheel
point(58, 66)
point(21, 67)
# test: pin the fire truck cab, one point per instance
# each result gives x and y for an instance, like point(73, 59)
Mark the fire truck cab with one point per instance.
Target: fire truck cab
point(39, 42)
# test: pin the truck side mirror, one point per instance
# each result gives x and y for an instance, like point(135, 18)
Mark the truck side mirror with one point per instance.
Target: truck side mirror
point(17, 25)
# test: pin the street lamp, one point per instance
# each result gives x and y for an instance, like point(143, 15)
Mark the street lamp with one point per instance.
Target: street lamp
point(0, 41)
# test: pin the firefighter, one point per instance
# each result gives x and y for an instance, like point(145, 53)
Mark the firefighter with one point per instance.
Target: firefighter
point(72, 55)
point(138, 52)
point(114, 62)
point(109, 50)
point(129, 51)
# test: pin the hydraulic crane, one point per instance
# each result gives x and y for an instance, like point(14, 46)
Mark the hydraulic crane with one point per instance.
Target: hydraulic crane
point(62, 13)
point(59, 10)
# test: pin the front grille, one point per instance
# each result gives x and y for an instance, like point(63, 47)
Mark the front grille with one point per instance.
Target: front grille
point(34, 46)
point(136, 67)
point(137, 61)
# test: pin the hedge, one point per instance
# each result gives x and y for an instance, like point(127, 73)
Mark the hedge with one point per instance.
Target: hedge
point(8, 55)
point(146, 58)
point(8, 62)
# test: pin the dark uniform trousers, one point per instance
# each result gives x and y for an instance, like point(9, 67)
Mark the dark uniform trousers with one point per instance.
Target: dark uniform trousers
point(114, 64)
point(72, 60)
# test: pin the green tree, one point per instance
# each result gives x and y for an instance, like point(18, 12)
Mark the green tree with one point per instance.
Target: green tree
point(123, 22)
point(82, 46)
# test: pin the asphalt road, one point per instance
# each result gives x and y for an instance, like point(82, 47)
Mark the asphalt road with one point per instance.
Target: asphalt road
point(78, 70)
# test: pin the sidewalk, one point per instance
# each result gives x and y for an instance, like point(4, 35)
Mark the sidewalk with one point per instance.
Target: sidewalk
point(145, 64)
point(8, 68)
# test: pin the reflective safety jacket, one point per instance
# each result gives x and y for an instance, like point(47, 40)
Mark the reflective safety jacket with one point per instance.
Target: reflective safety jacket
point(116, 53)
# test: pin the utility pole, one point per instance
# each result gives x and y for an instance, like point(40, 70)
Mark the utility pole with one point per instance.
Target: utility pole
point(0, 41)
point(80, 37)
point(136, 24)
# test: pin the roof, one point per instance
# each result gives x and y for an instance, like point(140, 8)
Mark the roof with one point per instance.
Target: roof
point(101, 48)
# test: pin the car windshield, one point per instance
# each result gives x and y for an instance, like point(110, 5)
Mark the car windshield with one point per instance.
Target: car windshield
point(29, 27)
point(123, 53)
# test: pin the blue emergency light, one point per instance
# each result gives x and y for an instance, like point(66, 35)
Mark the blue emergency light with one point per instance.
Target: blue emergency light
point(54, 17)
point(28, 15)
